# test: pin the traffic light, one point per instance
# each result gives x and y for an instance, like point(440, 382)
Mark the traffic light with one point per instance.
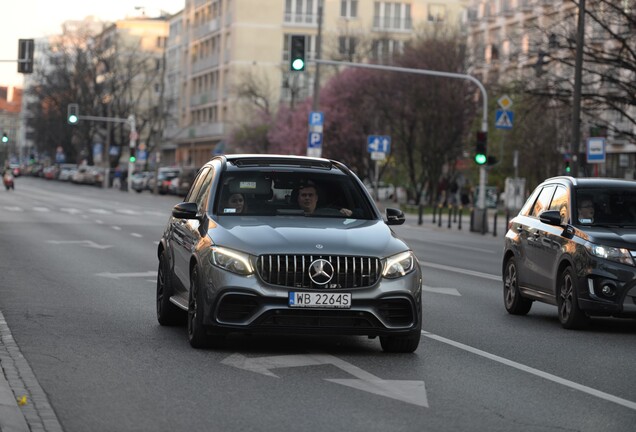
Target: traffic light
point(568, 169)
point(481, 148)
point(132, 158)
point(25, 55)
point(297, 53)
point(5, 138)
point(72, 113)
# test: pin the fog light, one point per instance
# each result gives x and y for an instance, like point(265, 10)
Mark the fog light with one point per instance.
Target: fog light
point(608, 290)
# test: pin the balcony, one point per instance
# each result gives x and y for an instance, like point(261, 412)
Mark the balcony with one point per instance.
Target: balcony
point(392, 24)
point(205, 64)
point(308, 19)
point(208, 130)
point(203, 98)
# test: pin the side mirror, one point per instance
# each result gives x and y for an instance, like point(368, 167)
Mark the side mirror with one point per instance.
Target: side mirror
point(394, 216)
point(185, 210)
point(551, 217)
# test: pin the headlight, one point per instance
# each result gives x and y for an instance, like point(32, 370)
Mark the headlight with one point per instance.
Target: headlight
point(620, 255)
point(231, 260)
point(398, 265)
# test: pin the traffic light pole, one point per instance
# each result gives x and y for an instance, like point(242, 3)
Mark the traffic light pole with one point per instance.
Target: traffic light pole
point(132, 143)
point(481, 199)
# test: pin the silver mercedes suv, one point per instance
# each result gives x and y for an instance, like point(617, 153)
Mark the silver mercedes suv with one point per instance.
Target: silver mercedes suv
point(267, 243)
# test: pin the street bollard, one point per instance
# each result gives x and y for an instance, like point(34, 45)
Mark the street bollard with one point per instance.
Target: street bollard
point(439, 216)
point(484, 221)
point(450, 215)
point(472, 219)
point(420, 214)
point(459, 224)
point(434, 213)
point(494, 226)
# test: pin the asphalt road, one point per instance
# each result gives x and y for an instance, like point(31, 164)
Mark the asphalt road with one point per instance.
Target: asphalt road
point(77, 290)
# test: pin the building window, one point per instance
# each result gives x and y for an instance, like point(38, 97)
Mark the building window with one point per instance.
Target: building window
point(348, 8)
point(301, 11)
point(347, 46)
point(436, 13)
point(392, 16)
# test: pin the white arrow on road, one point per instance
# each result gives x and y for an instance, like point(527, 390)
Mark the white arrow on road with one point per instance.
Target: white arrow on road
point(449, 291)
point(126, 275)
point(413, 392)
point(85, 243)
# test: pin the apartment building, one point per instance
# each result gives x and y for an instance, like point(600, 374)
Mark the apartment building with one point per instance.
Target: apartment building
point(224, 43)
point(10, 106)
point(506, 44)
point(133, 52)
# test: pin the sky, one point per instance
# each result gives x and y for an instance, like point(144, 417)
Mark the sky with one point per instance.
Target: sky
point(31, 19)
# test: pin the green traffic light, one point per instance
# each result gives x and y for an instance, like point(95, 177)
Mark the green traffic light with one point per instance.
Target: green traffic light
point(5, 138)
point(132, 159)
point(298, 64)
point(72, 119)
point(480, 158)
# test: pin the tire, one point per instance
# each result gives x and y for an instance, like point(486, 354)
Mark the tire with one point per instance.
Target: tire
point(168, 314)
point(401, 344)
point(570, 315)
point(198, 335)
point(514, 302)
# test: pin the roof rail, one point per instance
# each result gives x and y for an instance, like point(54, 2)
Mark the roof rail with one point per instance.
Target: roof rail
point(280, 161)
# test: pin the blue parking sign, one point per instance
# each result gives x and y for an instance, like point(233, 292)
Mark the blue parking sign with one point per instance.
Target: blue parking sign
point(314, 140)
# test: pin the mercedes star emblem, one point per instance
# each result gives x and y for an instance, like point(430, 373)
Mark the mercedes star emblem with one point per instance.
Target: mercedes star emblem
point(321, 272)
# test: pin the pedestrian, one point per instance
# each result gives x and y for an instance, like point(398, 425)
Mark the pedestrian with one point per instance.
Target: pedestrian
point(117, 178)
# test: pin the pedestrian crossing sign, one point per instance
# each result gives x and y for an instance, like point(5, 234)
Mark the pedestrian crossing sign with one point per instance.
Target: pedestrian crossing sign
point(503, 119)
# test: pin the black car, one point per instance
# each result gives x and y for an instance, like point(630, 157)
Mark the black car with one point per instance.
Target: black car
point(242, 255)
point(573, 245)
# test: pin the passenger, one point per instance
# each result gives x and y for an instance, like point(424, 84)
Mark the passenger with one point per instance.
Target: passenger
point(586, 210)
point(236, 201)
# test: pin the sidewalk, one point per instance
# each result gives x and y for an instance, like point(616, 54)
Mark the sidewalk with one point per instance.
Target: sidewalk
point(18, 383)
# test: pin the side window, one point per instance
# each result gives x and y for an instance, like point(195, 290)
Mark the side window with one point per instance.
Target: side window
point(527, 207)
point(560, 203)
point(196, 186)
point(204, 191)
point(543, 201)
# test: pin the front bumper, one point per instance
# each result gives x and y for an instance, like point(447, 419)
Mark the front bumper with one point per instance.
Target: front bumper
point(607, 289)
point(247, 304)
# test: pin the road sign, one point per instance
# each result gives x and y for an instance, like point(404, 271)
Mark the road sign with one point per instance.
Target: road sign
point(316, 118)
point(314, 140)
point(505, 102)
point(503, 119)
point(596, 150)
point(379, 143)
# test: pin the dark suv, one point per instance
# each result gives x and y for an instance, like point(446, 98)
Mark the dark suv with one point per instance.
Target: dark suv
point(573, 245)
point(286, 244)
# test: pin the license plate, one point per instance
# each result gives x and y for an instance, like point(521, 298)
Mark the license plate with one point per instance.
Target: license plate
point(319, 300)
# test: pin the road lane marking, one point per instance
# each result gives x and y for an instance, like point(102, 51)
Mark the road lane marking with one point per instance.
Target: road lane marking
point(100, 211)
point(116, 228)
point(15, 209)
point(449, 291)
point(409, 391)
point(97, 221)
point(85, 243)
point(41, 209)
point(72, 211)
point(126, 275)
point(136, 235)
point(571, 384)
point(460, 270)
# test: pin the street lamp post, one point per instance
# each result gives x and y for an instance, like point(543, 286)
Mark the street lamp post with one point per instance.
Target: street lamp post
point(576, 101)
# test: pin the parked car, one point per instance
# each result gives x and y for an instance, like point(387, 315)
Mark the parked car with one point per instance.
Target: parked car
point(66, 172)
point(181, 184)
point(573, 245)
point(267, 265)
point(164, 177)
point(139, 181)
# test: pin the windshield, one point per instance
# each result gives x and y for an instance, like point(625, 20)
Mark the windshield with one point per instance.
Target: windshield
point(609, 207)
point(271, 193)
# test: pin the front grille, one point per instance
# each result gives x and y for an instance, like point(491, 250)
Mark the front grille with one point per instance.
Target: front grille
point(319, 319)
point(293, 271)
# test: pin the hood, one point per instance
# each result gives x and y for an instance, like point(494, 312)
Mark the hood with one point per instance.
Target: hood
point(299, 235)
point(613, 236)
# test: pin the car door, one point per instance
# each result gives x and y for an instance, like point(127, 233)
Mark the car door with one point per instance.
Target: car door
point(549, 242)
point(185, 233)
point(532, 240)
